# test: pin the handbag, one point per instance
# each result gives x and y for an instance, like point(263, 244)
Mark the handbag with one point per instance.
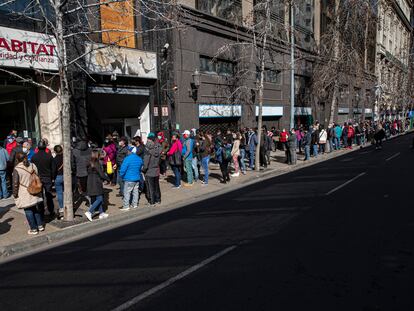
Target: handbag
point(109, 168)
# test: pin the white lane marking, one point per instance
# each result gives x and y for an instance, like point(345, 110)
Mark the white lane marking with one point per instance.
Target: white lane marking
point(394, 156)
point(345, 183)
point(174, 279)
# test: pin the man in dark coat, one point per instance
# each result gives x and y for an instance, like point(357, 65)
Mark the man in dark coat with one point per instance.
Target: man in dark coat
point(46, 167)
point(81, 157)
point(151, 169)
point(292, 147)
point(120, 156)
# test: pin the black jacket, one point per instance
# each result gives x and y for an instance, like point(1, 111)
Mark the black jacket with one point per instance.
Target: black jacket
point(13, 153)
point(46, 166)
point(120, 156)
point(81, 156)
point(292, 141)
point(59, 164)
point(95, 178)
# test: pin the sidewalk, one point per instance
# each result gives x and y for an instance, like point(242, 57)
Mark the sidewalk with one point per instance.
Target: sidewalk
point(13, 225)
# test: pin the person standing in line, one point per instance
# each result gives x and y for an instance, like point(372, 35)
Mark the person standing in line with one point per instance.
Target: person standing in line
point(252, 143)
point(4, 159)
point(174, 155)
point(337, 136)
point(235, 153)
point(47, 173)
point(164, 149)
point(283, 141)
point(81, 156)
point(331, 134)
point(59, 176)
point(242, 157)
point(323, 136)
point(205, 151)
point(350, 135)
point(196, 153)
point(299, 137)
point(306, 142)
point(315, 140)
point(292, 142)
point(120, 156)
point(95, 180)
point(17, 149)
point(188, 157)
point(110, 159)
point(223, 157)
point(151, 169)
point(23, 199)
point(130, 172)
point(345, 135)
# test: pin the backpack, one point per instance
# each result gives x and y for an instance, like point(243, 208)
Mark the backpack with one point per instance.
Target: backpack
point(35, 185)
point(226, 153)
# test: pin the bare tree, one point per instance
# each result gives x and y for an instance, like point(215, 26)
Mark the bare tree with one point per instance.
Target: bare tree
point(343, 49)
point(73, 24)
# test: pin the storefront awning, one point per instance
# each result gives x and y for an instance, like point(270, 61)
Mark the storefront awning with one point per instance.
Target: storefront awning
point(270, 111)
point(218, 111)
point(343, 110)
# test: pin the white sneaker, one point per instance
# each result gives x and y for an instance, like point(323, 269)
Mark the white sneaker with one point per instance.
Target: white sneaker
point(134, 207)
point(235, 175)
point(103, 215)
point(124, 209)
point(88, 215)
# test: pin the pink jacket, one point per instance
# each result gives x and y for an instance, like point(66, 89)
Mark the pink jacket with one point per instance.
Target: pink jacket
point(110, 151)
point(175, 146)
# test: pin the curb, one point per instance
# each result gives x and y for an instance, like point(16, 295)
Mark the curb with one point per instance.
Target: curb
point(79, 231)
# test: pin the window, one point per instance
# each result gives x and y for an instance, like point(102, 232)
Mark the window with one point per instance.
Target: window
point(304, 15)
point(216, 66)
point(27, 7)
point(270, 75)
point(227, 9)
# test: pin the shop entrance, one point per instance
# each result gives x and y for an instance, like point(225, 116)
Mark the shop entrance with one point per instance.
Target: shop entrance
point(18, 111)
point(126, 113)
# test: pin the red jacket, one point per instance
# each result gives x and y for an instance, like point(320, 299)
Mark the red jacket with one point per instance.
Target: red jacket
point(283, 137)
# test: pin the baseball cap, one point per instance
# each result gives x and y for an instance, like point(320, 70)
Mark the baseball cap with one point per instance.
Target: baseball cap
point(186, 132)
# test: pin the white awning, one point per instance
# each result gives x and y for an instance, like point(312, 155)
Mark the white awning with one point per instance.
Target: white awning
point(218, 111)
point(270, 111)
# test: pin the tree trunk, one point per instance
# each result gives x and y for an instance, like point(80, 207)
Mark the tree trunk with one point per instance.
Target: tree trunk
point(64, 98)
point(333, 102)
point(261, 87)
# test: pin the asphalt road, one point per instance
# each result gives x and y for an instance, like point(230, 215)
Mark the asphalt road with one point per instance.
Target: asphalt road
point(334, 236)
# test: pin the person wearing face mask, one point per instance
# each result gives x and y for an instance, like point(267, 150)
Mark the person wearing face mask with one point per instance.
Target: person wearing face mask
point(27, 149)
point(4, 158)
point(120, 156)
point(81, 155)
point(10, 142)
point(174, 155)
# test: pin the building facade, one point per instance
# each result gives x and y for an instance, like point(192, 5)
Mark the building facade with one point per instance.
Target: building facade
point(394, 35)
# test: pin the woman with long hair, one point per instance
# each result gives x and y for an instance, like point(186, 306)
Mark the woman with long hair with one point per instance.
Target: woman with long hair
point(174, 155)
point(95, 190)
point(22, 177)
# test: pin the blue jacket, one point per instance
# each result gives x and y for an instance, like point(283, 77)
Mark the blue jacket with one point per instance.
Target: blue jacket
point(252, 142)
point(188, 147)
point(131, 168)
point(4, 157)
point(338, 131)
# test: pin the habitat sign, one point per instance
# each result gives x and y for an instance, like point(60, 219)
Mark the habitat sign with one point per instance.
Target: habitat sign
point(26, 49)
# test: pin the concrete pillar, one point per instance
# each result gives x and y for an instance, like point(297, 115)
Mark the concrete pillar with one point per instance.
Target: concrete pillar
point(49, 117)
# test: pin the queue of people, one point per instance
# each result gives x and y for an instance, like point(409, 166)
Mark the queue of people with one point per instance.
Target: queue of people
point(135, 167)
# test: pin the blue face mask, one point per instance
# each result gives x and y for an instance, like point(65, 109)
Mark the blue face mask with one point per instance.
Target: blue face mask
point(10, 140)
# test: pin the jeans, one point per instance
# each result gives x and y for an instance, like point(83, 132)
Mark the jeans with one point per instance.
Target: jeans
point(97, 204)
point(195, 168)
point(130, 188)
point(59, 190)
point(177, 175)
point(331, 147)
point(241, 160)
point(204, 164)
point(315, 151)
point(48, 196)
point(322, 148)
point(3, 185)
point(188, 165)
point(33, 217)
point(121, 184)
point(307, 152)
point(336, 143)
point(251, 162)
point(153, 189)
